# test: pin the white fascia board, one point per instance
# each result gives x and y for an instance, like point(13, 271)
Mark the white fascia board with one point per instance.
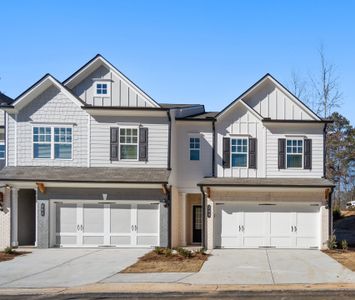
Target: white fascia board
point(240, 101)
point(118, 73)
point(39, 88)
point(126, 112)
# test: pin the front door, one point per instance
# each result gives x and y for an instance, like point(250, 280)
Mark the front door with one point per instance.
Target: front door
point(197, 224)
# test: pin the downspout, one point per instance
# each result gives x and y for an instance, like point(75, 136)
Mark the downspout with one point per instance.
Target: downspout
point(330, 213)
point(324, 150)
point(169, 141)
point(213, 147)
point(168, 205)
point(203, 237)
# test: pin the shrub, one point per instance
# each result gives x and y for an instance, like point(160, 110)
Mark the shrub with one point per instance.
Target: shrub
point(184, 252)
point(332, 242)
point(9, 250)
point(168, 252)
point(201, 251)
point(337, 213)
point(344, 245)
point(159, 250)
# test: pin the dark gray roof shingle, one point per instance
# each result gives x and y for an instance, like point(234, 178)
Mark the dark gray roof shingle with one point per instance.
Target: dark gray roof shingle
point(79, 174)
point(5, 100)
point(174, 105)
point(203, 116)
point(271, 182)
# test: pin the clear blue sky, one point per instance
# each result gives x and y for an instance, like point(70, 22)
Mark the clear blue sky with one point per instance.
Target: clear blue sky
point(179, 51)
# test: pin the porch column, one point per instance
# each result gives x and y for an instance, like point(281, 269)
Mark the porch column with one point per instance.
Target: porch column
point(183, 219)
point(36, 216)
point(14, 217)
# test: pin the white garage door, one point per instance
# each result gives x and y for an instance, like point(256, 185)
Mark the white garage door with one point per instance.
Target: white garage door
point(284, 225)
point(95, 224)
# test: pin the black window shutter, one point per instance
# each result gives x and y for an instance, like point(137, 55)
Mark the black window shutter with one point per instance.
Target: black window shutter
point(114, 143)
point(226, 152)
point(252, 153)
point(308, 154)
point(143, 144)
point(282, 153)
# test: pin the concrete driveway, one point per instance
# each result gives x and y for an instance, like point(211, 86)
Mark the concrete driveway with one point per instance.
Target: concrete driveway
point(65, 267)
point(271, 266)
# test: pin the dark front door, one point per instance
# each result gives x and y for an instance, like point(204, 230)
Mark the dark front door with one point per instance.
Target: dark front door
point(197, 224)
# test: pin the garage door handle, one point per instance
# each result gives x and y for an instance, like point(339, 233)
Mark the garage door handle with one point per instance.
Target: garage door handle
point(132, 227)
point(239, 228)
point(243, 228)
point(135, 227)
point(78, 227)
point(291, 228)
point(295, 228)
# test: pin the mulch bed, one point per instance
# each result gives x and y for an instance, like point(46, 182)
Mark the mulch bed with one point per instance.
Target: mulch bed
point(5, 256)
point(345, 257)
point(153, 262)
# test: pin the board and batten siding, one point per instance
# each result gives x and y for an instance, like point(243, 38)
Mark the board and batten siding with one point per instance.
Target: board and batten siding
point(51, 107)
point(271, 102)
point(158, 132)
point(188, 173)
point(122, 92)
point(309, 131)
point(240, 122)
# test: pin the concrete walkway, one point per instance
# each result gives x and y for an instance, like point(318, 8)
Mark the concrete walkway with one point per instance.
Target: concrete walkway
point(65, 267)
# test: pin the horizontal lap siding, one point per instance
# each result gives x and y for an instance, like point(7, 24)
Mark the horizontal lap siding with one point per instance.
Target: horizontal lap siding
point(158, 132)
point(272, 155)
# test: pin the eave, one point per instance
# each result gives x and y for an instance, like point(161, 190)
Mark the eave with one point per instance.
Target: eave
point(125, 111)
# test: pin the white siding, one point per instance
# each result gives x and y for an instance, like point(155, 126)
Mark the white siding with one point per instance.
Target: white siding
point(240, 121)
point(51, 107)
point(158, 131)
point(188, 173)
point(271, 102)
point(313, 132)
point(123, 93)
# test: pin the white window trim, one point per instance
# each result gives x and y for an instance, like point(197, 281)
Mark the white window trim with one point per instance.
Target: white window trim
point(195, 136)
point(295, 138)
point(247, 153)
point(52, 143)
point(119, 143)
point(3, 143)
point(108, 88)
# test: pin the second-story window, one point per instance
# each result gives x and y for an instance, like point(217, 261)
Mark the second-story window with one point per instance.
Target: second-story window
point(129, 143)
point(52, 142)
point(194, 148)
point(62, 143)
point(42, 138)
point(102, 89)
point(294, 152)
point(239, 152)
point(2, 145)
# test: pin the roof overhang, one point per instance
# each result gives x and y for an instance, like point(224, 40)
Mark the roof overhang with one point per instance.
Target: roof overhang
point(323, 121)
point(126, 111)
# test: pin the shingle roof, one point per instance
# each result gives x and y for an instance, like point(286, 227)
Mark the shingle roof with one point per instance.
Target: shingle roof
point(81, 174)
point(203, 116)
point(176, 105)
point(4, 100)
point(266, 182)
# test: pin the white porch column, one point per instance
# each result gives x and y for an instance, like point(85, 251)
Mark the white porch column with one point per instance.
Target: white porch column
point(36, 216)
point(183, 219)
point(14, 217)
point(209, 226)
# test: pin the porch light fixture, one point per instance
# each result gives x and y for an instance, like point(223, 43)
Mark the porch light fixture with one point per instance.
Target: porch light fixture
point(104, 196)
point(41, 187)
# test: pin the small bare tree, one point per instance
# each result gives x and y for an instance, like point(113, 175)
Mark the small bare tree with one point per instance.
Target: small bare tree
point(327, 95)
point(299, 87)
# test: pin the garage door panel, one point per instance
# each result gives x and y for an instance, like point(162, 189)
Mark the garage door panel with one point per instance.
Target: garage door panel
point(66, 220)
point(147, 218)
point(307, 242)
point(281, 242)
point(254, 241)
point(93, 218)
point(120, 218)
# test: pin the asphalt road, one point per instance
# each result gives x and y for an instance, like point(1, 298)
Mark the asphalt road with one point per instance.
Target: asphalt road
point(294, 295)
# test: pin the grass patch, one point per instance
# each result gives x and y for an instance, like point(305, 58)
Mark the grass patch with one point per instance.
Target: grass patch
point(163, 260)
point(345, 257)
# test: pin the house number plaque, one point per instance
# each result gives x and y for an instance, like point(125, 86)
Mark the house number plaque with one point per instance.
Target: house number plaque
point(43, 212)
point(208, 211)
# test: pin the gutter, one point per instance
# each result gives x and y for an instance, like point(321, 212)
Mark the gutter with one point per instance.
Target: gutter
point(263, 185)
point(330, 213)
point(203, 237)
point(168, 205)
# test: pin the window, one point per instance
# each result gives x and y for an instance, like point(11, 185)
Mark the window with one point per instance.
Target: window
point(62, 143)
point(294, 153)
point(52, 142)
point(102, 89)
point(128, 143)
point(239, 152)
point(194, 148)
point(2, 151)
point(42, 137)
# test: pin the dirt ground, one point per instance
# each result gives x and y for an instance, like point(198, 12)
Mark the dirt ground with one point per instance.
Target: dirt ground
point(345, 257)
point(154, 263)
point(5, 256)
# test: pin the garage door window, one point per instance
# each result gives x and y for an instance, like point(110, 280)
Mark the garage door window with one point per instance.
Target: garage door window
point(294, 151)
point(239, 152)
